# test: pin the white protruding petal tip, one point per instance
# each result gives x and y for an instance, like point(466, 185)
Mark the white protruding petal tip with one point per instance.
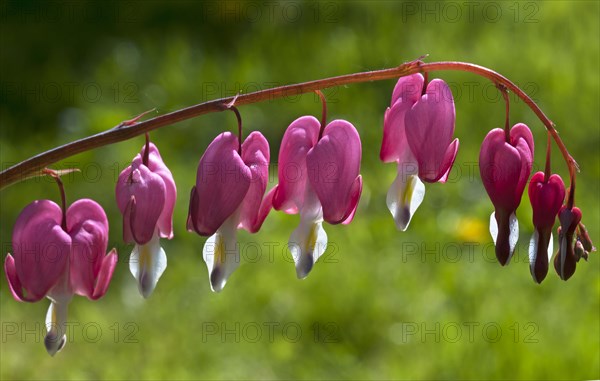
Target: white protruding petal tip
point(147, 263)
point(222, 258)
point(404, 197)
point(307, 243)
point(533, 249)
point(56, 318)
point(514, 235)
point(550, 247)
point(533, 244)
point(54, 344)
point(493, 227)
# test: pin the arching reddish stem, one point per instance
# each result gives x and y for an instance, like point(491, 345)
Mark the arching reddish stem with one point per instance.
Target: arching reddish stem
point(123, 132)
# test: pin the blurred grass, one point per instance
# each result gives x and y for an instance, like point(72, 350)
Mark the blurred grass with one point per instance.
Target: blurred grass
point(356, 310)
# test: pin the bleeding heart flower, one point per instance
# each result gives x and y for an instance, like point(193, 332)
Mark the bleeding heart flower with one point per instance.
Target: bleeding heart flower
point(57, 255)
point(546, 196)
point(146, 196)
point(228, 196)
point(417, 134)
point(318, 178)
point(565, 260)
point(505, 165)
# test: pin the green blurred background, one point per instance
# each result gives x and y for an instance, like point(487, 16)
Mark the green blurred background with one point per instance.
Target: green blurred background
point(427, 303)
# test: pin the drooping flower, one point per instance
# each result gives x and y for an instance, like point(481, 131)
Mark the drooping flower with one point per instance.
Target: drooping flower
point(146, 194)
point(417, 134)
point(57, 255)
point(318, 178)
point(546, 196)
point(228, 196)
point(505, 164)
point(565, 260)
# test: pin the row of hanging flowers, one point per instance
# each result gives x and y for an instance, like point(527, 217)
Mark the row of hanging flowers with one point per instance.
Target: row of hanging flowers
point(60, 251)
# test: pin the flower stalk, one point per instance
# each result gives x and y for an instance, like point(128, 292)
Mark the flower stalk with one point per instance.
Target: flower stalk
point(507, 118)
point(63, 197)
point(323, 114)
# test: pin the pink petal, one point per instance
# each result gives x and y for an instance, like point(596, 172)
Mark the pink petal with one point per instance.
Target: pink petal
point(157, 166)
point(255, 154)
point(408, 89)
point(298, 139)
point(127, 218)
point(333, 168)
point(41, 250)
point(193, 208)
point(149, 191)
point(109, 262)
point(84, 210)
point(263, 212)
point(13, 281)
point(526, 163)
point(521, 131)
point(355, 196)
point(122, 193)
point(449, 160)
point(221, 184)
point(88, 228)
point(546, 199)
point(429, 129)
point(394, 146)
point(500, 168)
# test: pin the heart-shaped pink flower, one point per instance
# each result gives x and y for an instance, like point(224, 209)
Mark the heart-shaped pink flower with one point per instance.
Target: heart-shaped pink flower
point(320, 179)
point(229, 195)
point(146, 195)
point(58, 255)
point(505, 167)
point(546, 196)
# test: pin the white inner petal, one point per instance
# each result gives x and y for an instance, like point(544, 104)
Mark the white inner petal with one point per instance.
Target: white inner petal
point(533, 249)
point(56, 326)
point(221, 253)
point(309, 240)
point(533, 245)
point(550, 247)
point(404, 197)
point(147, 263)
point(514, 234)
point(493, 227)
point(307, 243)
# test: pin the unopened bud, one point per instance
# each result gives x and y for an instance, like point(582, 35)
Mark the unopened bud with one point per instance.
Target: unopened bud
point(586, 241)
